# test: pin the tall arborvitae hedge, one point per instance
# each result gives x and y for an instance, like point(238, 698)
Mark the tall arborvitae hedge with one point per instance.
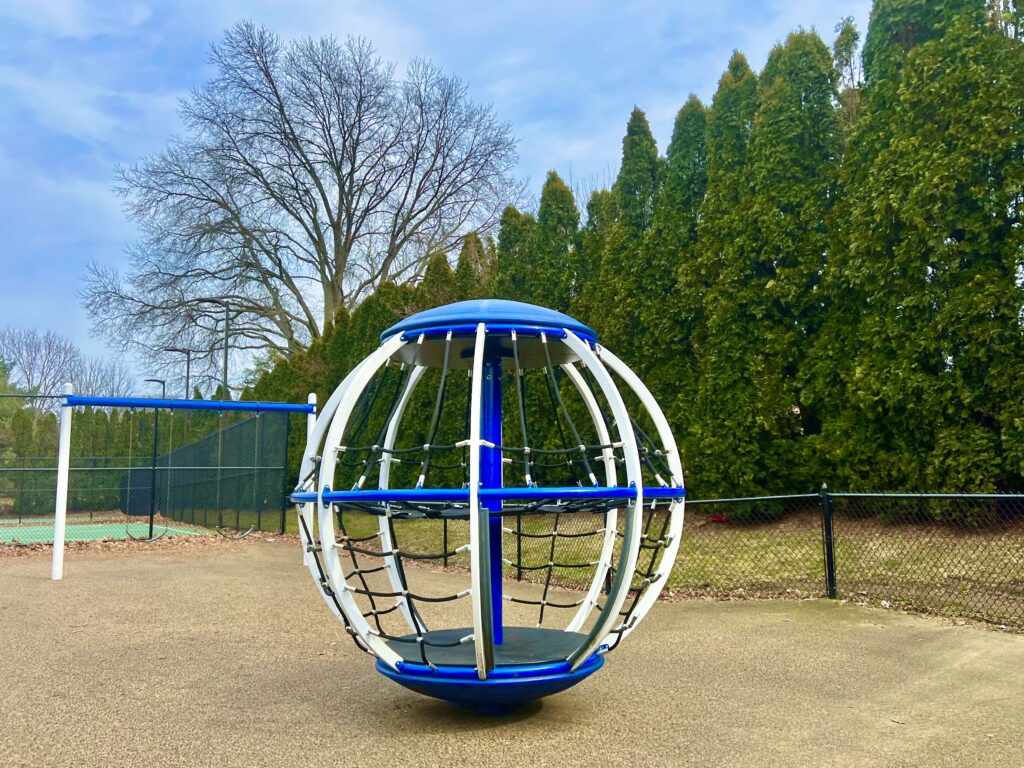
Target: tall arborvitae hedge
point(536, 256)
point(822, 279)
point(558, 222)
point(625, 224)
point(763, 307)
point(719, 449)
point(516, 240)
point(922, 352)
point(676, 298)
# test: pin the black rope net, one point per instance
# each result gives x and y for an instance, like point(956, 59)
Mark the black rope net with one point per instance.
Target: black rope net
point(552, 546)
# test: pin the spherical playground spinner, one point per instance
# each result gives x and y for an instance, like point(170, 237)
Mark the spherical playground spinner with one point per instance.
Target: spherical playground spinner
point(501, 440)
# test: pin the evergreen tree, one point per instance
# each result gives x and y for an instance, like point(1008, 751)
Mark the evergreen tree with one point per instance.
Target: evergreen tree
point(848, 71)
point(535, 256)
point(558, 221)
point(378, 312)
point(438, 286)
point(592, 241)
point(897, 26)
point(764, 308)
point(686, 176)
point(334, 349)
point(624, 271)
point(516, 238)
point(721, 226)
point(636, 186)
point(670, 305)
point(925, 286)
point(8, 408)
point(728, 133)
point(474, 273)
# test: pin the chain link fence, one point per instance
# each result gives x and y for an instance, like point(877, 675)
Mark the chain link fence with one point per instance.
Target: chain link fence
point(954, 555)
point(234, 478)
point(764, 547)
point(143, 473)
point(28, 465)
point(959, 555)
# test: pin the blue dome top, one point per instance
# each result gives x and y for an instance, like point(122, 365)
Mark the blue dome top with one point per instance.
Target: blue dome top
point(501, 312)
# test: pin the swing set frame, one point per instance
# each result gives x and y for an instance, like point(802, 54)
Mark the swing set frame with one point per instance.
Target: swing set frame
point(70, 401)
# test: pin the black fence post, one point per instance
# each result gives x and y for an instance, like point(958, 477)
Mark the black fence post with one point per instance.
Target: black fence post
point(519, 545)
point(825, 501)
point(284, 472)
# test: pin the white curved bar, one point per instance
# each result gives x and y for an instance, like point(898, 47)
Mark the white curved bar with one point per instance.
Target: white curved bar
point(386, 541)
point(677, 508)
point(482, 639)
point(611, 517)
point(313, 439)
point(631, 535)
point(329, 549)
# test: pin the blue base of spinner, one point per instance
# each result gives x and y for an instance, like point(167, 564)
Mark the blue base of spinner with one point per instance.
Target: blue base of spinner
point(530, 663)
point(504, 690)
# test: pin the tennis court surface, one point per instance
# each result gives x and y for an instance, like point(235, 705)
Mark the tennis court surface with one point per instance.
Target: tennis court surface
point(88, 532)
point(224, 655)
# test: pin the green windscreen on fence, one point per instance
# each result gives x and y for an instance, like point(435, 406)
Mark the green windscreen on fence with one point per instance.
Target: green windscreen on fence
point(234, 477)
point(191, 471)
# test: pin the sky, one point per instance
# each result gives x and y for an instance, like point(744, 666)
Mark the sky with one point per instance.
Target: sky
point(86, 85)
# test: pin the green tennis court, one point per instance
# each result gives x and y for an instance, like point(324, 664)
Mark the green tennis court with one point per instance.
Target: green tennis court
point(43, 534)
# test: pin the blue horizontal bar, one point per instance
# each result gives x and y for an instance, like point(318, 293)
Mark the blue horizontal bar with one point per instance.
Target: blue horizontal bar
point(416, 495)
point(195, 405)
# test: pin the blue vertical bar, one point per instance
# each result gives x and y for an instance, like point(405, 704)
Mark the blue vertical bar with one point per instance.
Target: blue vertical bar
point(490, 477)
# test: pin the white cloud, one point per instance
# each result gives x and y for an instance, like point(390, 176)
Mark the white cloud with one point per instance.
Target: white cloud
point(69, 107)
point(79, 105)
point(387, 28)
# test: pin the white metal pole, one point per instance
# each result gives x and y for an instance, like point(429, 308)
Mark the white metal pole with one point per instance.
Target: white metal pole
point(310, 417)
point(63, 465)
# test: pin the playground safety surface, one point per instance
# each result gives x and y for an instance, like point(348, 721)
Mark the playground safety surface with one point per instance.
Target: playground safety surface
point(226, 656)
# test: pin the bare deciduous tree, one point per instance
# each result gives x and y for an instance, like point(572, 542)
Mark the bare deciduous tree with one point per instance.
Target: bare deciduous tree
point(309, 174)
point(40, 363)
point(103, 377)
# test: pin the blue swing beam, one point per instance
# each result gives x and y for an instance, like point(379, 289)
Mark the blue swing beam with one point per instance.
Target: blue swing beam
point(191, 405)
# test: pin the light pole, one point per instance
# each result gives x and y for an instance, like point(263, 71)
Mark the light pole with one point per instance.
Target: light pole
point(188, 367)
point(227, 331)
point(156, 437)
